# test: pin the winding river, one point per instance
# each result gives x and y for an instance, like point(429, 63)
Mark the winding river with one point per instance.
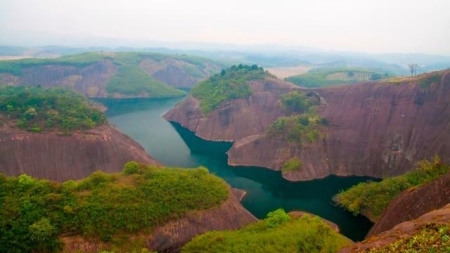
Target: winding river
point(266, 190)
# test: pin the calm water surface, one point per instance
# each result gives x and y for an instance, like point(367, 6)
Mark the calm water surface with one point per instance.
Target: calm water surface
point(266, 190)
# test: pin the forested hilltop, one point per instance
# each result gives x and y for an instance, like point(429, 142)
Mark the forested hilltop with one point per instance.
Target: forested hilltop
point(37, 109)
point(112, 74)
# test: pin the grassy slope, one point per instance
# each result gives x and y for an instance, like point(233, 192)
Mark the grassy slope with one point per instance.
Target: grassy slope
point(37, 109)
point(130, 80)
point(277, 233)
point(372, 198)
point(330, 76)
point(431, 238)
point(109, 207)
point(230, 84)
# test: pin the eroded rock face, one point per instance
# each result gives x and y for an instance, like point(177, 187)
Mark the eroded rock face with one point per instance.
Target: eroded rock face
point(413, 203)
point(376, 129)
point(234, 119)
point(405, 229)
point(54, 156)
point(173, 235)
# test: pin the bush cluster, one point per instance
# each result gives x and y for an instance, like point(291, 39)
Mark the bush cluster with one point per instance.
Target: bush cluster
point(103, 206)
point(37, 109)
point(229, 84)
point(372, 198)
point(277, 233)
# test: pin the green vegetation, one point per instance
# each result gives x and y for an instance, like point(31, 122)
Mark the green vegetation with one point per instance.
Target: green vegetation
point(297, 102)
point(372, 198)
point(227, 85)
point(293, 164)
point(277, 233)
point(303, 125)
point(132, 80)
point(425, 82)
point(107, 207)
point(297, 128)
point(431, 238)
point(37, 109)
point(325, 77)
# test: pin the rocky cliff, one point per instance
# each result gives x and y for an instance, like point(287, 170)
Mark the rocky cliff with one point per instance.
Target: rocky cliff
point(375, 129)
point(413, 203)
point(53, 156)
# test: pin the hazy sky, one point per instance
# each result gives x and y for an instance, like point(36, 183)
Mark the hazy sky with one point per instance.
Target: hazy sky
point(411, 26)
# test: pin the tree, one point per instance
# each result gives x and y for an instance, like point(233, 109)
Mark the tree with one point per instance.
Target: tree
point(413, 68)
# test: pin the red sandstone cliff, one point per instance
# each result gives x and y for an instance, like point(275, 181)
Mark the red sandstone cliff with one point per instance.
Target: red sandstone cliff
point(376, 129)
point(54, 156)
point(413, 203)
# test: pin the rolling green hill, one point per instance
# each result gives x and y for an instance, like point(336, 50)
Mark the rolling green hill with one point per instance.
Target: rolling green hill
point(322, 77)
point(112, 74)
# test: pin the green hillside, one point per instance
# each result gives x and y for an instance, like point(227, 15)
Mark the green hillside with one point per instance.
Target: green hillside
point(37, 109)
point(111, 208)
point(229, 84)
point(322, 77)
point(131, 78)
point(279, 232)
point(372, 198)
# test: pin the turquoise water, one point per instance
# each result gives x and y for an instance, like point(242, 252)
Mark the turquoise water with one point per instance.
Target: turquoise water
point(266, 190)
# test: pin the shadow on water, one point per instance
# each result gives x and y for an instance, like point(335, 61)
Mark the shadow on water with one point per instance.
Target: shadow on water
point(266, 190)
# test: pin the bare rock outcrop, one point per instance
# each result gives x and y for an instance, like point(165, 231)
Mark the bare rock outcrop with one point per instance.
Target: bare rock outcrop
point(413, 203)
point(375, 129)
point(54, 156)
point(228, 216)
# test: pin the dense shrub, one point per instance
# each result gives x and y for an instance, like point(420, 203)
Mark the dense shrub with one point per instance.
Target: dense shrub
point(431, 238)
point(277, 233)
point(37, 109)
point(229, 84)
point(297, 128)
point(372, 198)
point(103, 206)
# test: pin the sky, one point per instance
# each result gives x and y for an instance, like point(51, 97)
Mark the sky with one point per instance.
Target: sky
point(372, 26)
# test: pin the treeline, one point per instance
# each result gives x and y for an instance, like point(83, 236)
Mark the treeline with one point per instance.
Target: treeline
point(106, 207)
point(37, 109)
point(229, 84)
